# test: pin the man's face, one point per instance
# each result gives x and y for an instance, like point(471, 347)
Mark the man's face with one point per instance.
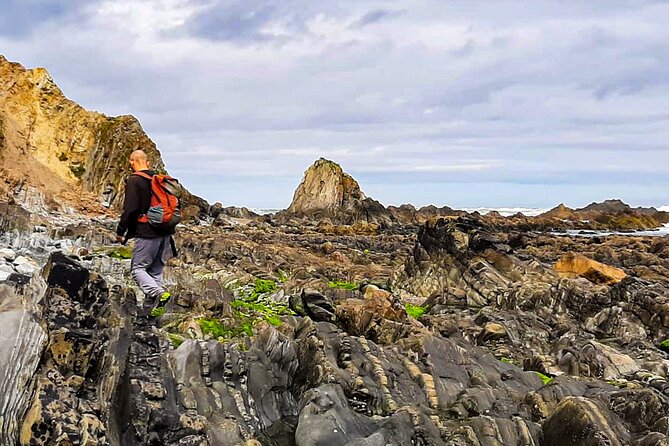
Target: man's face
point(133, 163)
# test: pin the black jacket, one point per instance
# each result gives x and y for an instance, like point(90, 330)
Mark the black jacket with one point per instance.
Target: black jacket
point(137, 201)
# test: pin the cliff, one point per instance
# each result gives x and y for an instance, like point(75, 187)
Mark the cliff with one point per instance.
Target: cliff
point(71, 155)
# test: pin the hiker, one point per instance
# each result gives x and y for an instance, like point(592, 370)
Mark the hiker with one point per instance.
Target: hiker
point(145, 206)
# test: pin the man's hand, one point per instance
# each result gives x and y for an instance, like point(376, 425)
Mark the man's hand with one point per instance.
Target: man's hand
point(120, 238)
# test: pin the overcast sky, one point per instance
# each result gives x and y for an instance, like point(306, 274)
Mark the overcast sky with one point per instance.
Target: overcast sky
point(461, 103)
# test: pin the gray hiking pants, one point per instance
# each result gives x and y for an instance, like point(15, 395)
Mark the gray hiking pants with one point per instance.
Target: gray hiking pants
point(148, 260)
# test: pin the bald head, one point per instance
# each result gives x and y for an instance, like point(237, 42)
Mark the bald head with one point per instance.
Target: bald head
point(139, 161)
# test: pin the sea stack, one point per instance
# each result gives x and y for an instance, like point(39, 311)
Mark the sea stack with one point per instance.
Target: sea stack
point(327, 191)
point(325, 186)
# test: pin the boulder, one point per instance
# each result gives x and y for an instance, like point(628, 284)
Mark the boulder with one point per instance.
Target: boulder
point(7, 254)
point(313, 304)
point(577, 265)
point(379, 316)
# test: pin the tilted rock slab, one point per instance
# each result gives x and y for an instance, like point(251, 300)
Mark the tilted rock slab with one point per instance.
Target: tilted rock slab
point(22, 341)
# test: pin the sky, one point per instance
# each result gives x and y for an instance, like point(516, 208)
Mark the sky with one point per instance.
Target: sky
point(461, 103)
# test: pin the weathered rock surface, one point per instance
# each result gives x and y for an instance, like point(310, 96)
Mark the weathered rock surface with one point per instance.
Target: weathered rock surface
point(22, 339)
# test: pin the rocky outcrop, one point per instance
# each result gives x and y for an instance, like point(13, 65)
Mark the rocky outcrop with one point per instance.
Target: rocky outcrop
point(561, 212)
point(483, 290)
point(610, 214)
point(407, 214)
point(327, 191)
point(73, 156)
point(108, 377)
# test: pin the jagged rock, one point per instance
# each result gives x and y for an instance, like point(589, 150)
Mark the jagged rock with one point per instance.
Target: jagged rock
point(5, 271)
point(412, 386)
point(572, 264)
point(610, 214)
point(26, 267)
point(217, 209)
point(560, 211)
point(325, 186)
point(110, 375)
point(313, 304)
point(408, 214)
point(64, 272)
point(607, 206)
point(13, 217)
point(327, 419)
point(379, 316)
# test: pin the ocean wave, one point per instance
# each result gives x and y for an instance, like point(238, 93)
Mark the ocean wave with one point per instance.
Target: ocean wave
point(529, 212)
point(264, 211)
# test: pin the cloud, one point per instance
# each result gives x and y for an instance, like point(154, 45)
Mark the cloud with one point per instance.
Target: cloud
point(375, 16)
point(236, 21)
point(20, 18)
point(569, 96)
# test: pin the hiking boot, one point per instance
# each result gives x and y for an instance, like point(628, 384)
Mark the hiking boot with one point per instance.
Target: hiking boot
point(159, 309)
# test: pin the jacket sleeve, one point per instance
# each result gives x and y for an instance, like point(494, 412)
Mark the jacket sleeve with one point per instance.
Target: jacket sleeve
point(131, 205)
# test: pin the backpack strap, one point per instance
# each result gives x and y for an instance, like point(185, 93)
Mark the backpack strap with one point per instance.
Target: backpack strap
point(143, 175)
point(143, 218)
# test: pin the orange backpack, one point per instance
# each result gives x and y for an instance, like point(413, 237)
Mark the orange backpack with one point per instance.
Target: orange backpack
point(165, 208)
